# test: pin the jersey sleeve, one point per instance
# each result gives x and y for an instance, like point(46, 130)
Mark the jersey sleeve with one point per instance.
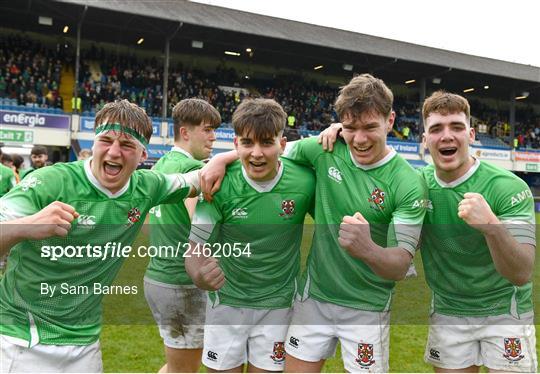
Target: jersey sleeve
point(303, 152)
point(514, 206)
point(407, 219)
point(204, 225)
point(31, 195)
point(172, 188)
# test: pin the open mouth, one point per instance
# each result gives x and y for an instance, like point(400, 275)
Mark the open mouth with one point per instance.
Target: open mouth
point(112, 168)
point(256, 164)
point(448, 151)
point(362, 149)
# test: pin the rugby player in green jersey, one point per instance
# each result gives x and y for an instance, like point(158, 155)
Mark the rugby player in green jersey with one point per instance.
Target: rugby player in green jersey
point(253, 228)
point(7, 178)
point(177, 305)
point(369, 212)
point(478, 250)
point(69, 227)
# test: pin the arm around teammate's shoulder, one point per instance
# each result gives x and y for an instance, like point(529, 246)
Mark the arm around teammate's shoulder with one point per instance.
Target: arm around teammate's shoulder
point(213, 172)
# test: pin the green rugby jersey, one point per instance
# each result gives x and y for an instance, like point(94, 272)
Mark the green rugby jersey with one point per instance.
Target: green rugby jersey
point(265, 223)
point(7, 179)
point(389, 194)
point(170, 225)
point(30, 316)
point(27, 171)
point(458, 265)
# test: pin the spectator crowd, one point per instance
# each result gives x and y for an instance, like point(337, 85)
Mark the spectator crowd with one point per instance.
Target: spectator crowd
point(31, 73)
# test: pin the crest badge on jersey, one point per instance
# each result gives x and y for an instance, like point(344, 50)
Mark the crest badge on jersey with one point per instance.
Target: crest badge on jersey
point(365, 355)
point(288, 208)
point(512, 349)
point(377, 199)
point(278, 354)
point(133, 216)
point(29, 182)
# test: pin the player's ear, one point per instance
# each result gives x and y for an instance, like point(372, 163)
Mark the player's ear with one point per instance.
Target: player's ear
point(235, 142)
point(282, 143)
point(184, 134)
point(144, 156)
point(472, 135)
point(390, 121)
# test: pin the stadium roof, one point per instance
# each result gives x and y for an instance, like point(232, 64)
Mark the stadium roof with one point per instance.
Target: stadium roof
point(280, 47)
point(254, 24)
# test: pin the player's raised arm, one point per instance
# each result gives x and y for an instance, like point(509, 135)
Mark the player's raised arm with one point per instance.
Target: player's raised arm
point(214, 171)
point(53, 220)
point(513, 260)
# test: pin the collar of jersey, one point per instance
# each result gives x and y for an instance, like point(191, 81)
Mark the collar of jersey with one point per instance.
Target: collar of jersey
point(271, 184)
point(98, 185)
point(461, 179)
point(181, 150)
point(385, 160)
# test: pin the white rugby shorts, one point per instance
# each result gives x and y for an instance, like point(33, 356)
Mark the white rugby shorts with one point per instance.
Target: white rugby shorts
point(43, 358)
point(179, 313)
point(234, 336)
point(317, 327)
point(498, 342)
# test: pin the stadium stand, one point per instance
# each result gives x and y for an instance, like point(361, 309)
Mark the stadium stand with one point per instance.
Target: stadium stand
point(30, 76)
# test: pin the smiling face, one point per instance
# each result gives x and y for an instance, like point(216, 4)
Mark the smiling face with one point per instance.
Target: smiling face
point(448, 136)
point(116, 155)
point(366, 136)
point(260, 158)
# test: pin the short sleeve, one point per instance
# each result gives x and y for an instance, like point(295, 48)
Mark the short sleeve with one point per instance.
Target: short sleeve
point(303, 152)
point(408, 217)
point(514, 206)
point(205, 222)
point(172, 188)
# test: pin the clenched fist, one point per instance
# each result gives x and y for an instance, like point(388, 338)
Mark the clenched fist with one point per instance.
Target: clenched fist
point(355, 236)
point(475, 210)
point(53, 220)
point(210, 277)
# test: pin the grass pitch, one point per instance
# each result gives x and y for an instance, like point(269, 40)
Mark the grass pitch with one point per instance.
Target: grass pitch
point(131, 342)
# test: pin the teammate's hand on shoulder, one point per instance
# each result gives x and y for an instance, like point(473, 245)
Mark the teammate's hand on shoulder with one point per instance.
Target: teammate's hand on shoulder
point(211, 176)
point(329, 136)
point(355, 235)
point(476, 212)
point(53, 220)
point(211, 277)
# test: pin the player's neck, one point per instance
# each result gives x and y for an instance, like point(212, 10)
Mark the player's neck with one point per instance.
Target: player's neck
point(454, 175)
point(183, 146)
